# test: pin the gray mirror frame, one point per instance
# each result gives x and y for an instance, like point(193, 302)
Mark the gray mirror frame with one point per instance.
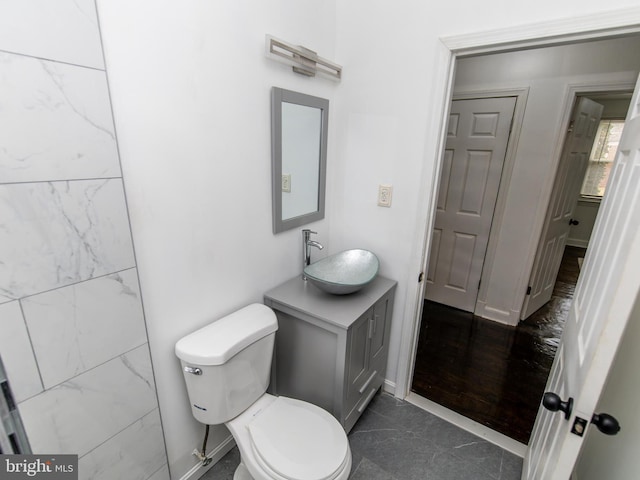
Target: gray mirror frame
point(278, 96)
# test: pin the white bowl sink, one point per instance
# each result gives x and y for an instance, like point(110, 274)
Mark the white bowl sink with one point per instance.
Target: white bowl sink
point(344, 272)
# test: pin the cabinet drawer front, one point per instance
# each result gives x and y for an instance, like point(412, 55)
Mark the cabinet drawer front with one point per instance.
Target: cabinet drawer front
point(370, 381)
point(358, 399)
point(361, 405)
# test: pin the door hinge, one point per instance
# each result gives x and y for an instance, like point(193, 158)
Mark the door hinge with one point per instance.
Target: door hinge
point(420, 277)
point(529, 290)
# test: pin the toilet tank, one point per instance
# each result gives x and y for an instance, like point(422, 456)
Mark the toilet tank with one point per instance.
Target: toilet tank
point(226, 364)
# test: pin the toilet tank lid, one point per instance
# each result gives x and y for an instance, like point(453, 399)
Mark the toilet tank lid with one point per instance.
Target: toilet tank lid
point(219, 341)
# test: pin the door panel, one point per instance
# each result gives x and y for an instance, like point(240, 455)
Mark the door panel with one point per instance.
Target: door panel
point(477, 137)
point(461, 261)
point(476, 182)
point(603, 301)
point(571, 171)
point(547, 435)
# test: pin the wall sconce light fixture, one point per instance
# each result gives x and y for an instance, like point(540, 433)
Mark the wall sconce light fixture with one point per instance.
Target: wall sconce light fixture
point(304, 61)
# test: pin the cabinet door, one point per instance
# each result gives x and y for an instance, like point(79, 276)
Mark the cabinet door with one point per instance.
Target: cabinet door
point(358, 355)
point(381, 316)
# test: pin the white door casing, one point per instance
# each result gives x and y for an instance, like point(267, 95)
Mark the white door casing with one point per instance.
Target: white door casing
point(477, 138)
point(564, 197)
point(605, 294)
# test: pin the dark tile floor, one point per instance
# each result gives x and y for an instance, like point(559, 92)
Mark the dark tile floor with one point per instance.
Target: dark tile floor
point(489, 372)
point(395, 440)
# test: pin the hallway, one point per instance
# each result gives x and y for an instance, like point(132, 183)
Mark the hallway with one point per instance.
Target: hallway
point(492, 373)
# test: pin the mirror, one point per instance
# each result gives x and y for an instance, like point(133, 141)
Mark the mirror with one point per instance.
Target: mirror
point(298, 158)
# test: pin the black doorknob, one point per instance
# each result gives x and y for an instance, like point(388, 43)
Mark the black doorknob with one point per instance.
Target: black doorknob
point(553, 402)
point(606, 423)
point(574, 222)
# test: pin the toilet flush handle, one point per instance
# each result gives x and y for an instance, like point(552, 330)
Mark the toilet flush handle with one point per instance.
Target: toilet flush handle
point(194, 370)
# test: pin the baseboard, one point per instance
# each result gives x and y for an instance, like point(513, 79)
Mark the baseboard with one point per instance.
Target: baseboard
point(576, 242)
point(510, 317)
point(502, 441)
point(215, 455)
point(389, 387)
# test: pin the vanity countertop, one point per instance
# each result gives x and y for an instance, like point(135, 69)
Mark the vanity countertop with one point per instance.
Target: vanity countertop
point(338, 310)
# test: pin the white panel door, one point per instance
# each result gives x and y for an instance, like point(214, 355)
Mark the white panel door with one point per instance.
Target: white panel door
point(605, 294)
point(477, 137)
point(564, 196)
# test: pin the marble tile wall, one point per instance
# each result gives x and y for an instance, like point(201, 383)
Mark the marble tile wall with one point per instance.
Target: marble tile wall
point(72, 331)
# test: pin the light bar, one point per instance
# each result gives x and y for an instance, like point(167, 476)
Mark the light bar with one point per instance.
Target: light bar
point(304, 61)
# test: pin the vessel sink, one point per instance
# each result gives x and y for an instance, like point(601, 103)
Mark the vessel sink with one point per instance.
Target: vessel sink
point(344, 272)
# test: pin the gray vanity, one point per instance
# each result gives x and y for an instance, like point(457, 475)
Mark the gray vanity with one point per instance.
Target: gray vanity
point(331, 350)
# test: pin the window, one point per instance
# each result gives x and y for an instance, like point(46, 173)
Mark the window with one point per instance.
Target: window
point(602, 155)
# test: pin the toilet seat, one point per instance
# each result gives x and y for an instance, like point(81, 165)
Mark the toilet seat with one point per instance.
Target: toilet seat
point(296, 440)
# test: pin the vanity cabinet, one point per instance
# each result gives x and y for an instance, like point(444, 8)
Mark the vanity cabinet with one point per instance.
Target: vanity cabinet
point(331, 350)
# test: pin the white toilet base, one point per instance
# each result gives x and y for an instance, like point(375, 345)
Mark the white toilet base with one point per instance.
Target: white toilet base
point(242, 473)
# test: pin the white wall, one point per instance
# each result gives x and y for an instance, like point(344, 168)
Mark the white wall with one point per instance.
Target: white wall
point(602, 454)
point(191, 90)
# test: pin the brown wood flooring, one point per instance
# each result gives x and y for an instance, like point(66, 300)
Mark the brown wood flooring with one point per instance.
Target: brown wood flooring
point(493, 373)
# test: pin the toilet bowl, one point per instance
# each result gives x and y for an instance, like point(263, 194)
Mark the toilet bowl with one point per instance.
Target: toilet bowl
point(226, 367)
point(286, 439)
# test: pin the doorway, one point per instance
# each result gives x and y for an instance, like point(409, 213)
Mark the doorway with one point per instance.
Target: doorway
point(536, 186)
point(492, 373)
point(581, 166)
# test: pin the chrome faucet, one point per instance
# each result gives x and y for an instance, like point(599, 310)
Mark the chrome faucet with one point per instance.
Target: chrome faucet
point(306, 250)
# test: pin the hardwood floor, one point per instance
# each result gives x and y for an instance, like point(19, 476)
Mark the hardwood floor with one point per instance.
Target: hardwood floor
point(493, 373)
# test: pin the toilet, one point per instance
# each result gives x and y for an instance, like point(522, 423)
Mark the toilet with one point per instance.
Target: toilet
point(226, 367)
